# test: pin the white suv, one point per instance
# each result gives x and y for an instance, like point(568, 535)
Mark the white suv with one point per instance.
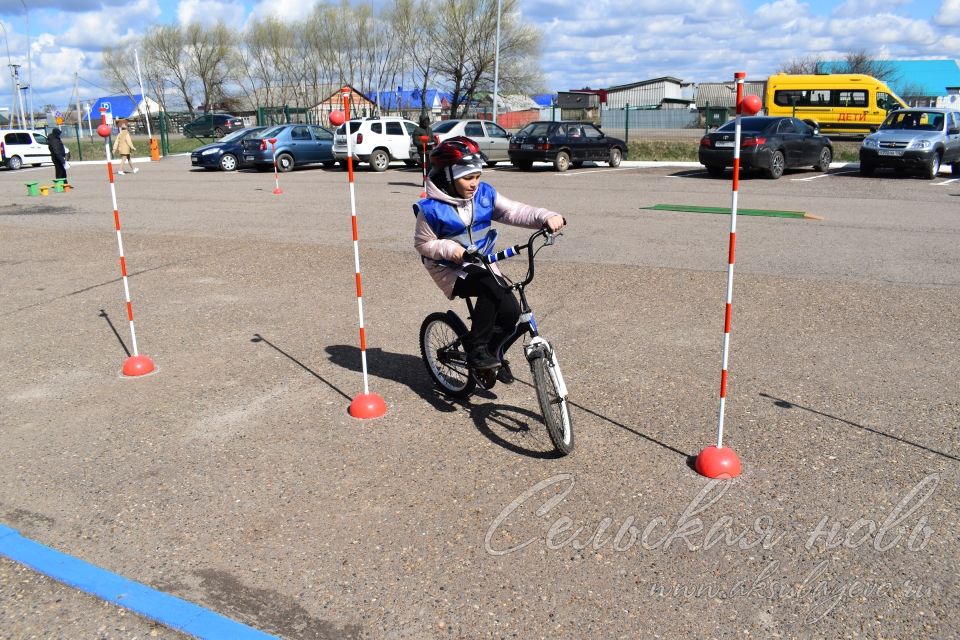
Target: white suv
point(22, 146)
point(377, 141)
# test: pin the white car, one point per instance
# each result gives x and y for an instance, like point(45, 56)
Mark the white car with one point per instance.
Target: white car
point(493, 140)
point(22, 146)
point(377, 141)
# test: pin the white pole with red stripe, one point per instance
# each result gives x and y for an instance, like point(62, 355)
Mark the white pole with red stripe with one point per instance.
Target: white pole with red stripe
point(365, 405)
point(136, 364)
point(276, 176)
point(719, 461)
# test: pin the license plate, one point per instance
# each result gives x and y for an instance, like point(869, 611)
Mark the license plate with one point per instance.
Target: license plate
point(723, 143)
point(889, 152)
point(195, 160)
point(526, 146)
point(248, 157)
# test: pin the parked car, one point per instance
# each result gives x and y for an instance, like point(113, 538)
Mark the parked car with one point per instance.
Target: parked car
point(296, 144)
point(377, 141)
point(22, 146)
point(227, 153)
point(213, 124)
point(914, 140)
point(768, 143)
point(565, 144)
point(493, 140)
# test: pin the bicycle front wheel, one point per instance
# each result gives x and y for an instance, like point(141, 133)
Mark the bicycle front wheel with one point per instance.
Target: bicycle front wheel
point(444, 356)
point(555, 409)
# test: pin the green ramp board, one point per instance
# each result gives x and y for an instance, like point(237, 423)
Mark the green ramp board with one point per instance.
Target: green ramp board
point(771, 213)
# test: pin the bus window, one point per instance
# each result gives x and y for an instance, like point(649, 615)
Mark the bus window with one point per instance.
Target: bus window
point(853, 99)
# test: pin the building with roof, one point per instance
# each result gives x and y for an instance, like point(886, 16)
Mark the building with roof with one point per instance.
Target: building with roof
point(411, 101)
point(124, 106)
point(666, 92)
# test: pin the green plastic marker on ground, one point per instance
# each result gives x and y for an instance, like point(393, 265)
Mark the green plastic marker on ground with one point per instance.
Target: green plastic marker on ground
point(770, 213)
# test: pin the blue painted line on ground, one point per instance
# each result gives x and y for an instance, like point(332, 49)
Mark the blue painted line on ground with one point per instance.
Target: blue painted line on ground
point(169, 610)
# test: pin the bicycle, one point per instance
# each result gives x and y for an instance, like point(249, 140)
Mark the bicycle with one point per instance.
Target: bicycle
point(442, 348)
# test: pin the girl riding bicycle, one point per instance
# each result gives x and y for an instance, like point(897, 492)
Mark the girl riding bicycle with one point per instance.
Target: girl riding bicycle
point(455, 221)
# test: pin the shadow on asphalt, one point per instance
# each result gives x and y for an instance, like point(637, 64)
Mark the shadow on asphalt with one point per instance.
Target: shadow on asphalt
point(786, 404)
point(258, 338)
point(106, 316)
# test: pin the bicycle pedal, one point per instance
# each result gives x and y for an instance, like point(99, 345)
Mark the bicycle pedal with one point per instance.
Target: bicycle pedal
point(487, 378)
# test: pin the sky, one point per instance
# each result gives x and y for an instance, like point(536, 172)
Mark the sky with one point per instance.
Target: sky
point(596, 43)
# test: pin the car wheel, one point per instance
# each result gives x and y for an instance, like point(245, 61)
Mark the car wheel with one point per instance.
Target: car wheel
point(826, 157)
point(562, 161)
point(866, 169)
point(14, 163)
point(616, 156)
point(932, 167)
point(715, 170)
point(285, 162)
point(955, 168)
point(410, 163)
point(491, 163)
point(379, 160)
point(218, 132)
point(330, 164)
point(775, 170)
point(228, 162)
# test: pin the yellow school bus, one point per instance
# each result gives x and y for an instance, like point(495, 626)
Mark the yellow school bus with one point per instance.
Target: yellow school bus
point(842, 103)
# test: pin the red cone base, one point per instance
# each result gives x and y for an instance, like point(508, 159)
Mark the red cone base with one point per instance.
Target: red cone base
point(423, 194)
point(277, 191)
point(367, 405)
point(137, 366)
point(718, 462)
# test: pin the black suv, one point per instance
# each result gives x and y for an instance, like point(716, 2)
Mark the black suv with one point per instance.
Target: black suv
point(213, 124)
point(565, 144)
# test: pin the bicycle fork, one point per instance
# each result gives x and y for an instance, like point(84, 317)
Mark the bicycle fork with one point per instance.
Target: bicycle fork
point(538, 344)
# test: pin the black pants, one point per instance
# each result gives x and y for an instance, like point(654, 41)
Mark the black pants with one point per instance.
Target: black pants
point(58, 165)
point(495, 312)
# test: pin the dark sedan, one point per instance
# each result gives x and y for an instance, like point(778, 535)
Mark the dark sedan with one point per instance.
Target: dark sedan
point(212, 124)
point(226, 154)
point(564, 144)
point(294, 145)
point(770, 144)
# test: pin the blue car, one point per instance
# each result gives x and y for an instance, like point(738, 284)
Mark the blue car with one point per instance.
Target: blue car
point(295, 145)
point(225, 154)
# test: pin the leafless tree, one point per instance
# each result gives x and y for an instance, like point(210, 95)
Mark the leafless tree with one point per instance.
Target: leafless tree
point(860, 61)
point(206, 51)
point(806, 65)
point(165, 46)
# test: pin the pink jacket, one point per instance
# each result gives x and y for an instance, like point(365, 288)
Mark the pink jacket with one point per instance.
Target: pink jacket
point(433, 248)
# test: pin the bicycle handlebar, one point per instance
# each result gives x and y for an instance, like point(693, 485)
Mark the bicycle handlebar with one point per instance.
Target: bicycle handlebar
point(510, 252)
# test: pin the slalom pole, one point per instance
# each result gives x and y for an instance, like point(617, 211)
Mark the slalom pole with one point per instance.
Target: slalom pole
point(137, 364)
point(365, 405)
point(276, 175)
point(719, 461)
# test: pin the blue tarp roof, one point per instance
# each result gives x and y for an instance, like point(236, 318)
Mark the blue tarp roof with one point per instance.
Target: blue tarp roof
point(543, 99)
point(409, 100)
point(119, 106)
point(933, 75)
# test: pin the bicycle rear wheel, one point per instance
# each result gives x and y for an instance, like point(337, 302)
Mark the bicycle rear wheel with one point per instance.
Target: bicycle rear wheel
point(444, 356)
point(555, 409)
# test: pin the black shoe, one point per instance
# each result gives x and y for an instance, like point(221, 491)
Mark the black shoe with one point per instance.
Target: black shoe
point(505, 375)
point(480, 359)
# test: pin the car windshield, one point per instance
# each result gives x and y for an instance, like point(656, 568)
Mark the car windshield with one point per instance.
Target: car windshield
point(41, 139)
point(752, 125)
point(354, 126)
point(444, 127)
point(913, 120)
point(239, 135)
point(535, 129)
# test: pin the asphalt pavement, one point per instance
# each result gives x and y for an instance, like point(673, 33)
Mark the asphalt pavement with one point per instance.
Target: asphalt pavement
point(234, 478)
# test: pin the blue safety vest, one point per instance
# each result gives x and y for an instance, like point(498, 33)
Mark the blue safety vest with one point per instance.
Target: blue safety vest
point(446, 223)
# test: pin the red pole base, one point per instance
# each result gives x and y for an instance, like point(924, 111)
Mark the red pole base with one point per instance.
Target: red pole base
point(368, 405)
point(137, 366)
point(277, 191)
point(423, 194)
point(718, 462)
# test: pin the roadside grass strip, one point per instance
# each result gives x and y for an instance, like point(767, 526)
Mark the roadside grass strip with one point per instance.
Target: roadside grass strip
point(769, 213)
point(163, 608)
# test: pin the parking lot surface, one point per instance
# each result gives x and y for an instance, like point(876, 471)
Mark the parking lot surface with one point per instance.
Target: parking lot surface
point(234, 477)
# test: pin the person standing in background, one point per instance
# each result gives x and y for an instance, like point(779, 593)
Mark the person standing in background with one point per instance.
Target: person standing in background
point(58, 154)
point(123, 147)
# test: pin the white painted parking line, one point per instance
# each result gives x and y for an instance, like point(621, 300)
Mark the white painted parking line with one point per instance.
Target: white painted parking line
point(950, 181)
point(583, 172)
point(823, 175)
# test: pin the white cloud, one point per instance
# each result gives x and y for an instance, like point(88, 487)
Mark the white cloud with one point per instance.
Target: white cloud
point(94, 30)
point(948, 14)
point(286, 10)
point(232, 13)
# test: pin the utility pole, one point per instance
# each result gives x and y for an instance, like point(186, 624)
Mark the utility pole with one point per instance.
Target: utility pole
point(29, 62)
point(19, 96)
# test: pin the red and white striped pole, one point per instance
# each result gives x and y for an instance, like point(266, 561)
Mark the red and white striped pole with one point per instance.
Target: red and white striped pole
point(137, 364)
point(719, 461)
point(276, 176)
point(365, 405)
